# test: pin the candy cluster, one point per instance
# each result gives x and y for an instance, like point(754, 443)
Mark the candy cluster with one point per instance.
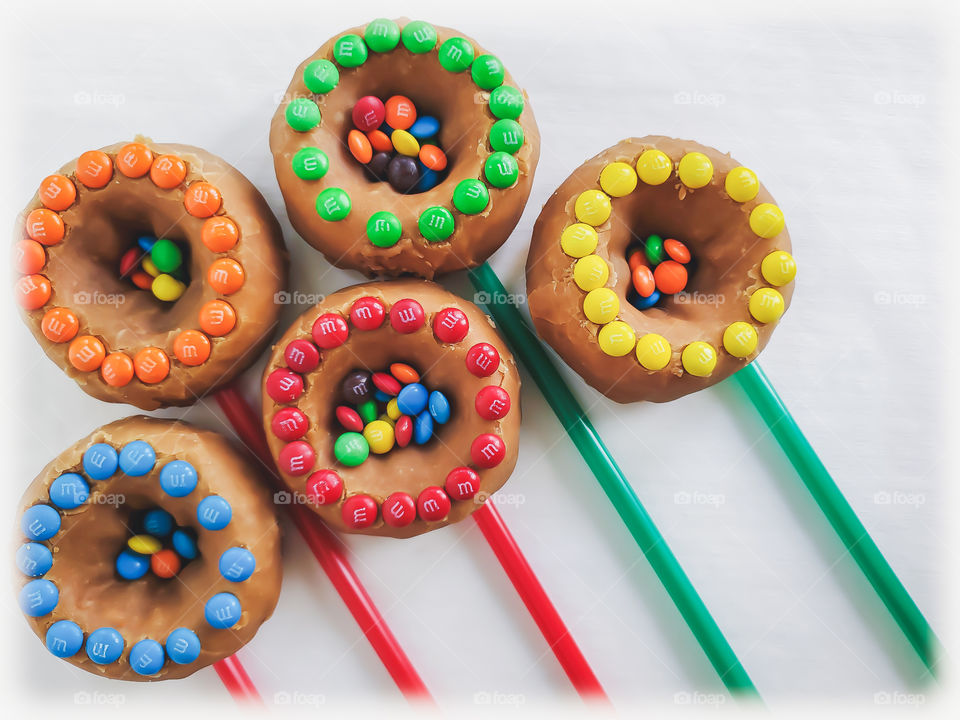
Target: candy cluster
point(396, 145)
point(158, 545)
point(658, 268)
point(388, 408)
point(156, 265)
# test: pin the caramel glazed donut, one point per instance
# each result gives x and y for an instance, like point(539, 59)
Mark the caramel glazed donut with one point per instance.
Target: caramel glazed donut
point(149, 550)
point(658, 268)
point(392, 408)
point(165, 318)
point(450, 94)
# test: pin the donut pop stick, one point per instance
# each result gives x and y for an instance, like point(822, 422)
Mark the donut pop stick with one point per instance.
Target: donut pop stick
point(837, 510)
point(577, 425)
point(234, 676)
point(328, 551)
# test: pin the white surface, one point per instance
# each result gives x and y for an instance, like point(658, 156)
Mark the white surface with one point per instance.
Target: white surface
point(843, 119)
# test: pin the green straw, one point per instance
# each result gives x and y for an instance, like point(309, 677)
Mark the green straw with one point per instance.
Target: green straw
point(577, 425)
point(838, 511)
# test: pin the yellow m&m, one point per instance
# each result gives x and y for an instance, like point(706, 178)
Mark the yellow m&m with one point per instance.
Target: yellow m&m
point(740, 339)
point(590, 272)
point(144, 544)
point(767, 305)
point(405, 143)
point(778, 268)
point(592, 207)
point(393, 410)
point(601, 305)
point(618, 179)
point(699, 358)
point(654, 167)
point(766, 220)
point(578, 240)
point(617, 338)
point(379, 435)
point(653, 351)
point(742, 184)
point(695, 170)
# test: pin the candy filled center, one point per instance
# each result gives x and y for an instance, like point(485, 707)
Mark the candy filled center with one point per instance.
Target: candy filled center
point(386, 410)
point(158, 266)
point(660, 269)
point(156, 546)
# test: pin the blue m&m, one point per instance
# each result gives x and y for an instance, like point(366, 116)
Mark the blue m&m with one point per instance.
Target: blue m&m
point(137, 458)
point(439, 407)
point(40, 522)
point(237, 564)
point(104, 646)
point(644, 303)
point(184, 544)
point(100, 461)
point(183, 646)
point(158, 522)
point(131, 565)
point(34, 559)
point(222, 610)
point(178, 478)
point(425, 126)
point(214, 513)
point(69, 491)
point(412, 399)
point(422, 428)
point(64, 639)
point(38, 598)
point(146, 657)
point(146, 242)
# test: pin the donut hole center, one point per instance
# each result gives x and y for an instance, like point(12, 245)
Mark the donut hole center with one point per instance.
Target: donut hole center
point(158, 266)
point(157, 548)
point(663, 270)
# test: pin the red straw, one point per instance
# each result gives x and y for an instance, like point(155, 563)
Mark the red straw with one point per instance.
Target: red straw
point(328, 550)
point(538, 603)
point(236, 680)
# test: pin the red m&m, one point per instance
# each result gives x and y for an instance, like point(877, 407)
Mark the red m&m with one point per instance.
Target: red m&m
point(284, 386)
point(324, 487)
point(403, 430)
point(407, 316)
point(359, 511)
point(433, 504)
point(487, 450)
point(386, 383)
point(367, 313)
point(368, 113)
point(289, 423)
point(297, 458)
point(349, 418)
point(450, 325)
point(462, 483)
point(483, 360)
point(302, 356)
point(492, 402)
point(330, 331)
point(399, 509)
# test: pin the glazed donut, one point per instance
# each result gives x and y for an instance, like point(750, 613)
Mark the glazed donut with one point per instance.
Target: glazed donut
point(124, 344)
point(477, 115)
point(679, 314)
point(147, 550)
point(368, 442)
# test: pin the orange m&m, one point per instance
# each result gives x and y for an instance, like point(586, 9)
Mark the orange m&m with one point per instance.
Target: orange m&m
point(165, 563)
point(225, 275)
point(676, 250)
point(360, 146)
point(29, 257)
point(117, 369)
point(44, 226)
point(94, 169)
point(643, 281)
point(220, 234)
point(142, 280)
point(57, 192)
point(168, 171)
point(380, 141)
point(202, 199)
point(60, 324)
point(32, 291)
point(191, 347)
point(217, 318)
point(151, 365)
point(670, 276)
point(433, 157)
point(404, 373)
point(134, 160)
point(86, 353)
point(400, 112)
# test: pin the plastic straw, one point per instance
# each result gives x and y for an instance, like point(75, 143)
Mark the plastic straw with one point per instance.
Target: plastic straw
point(538, 604)
point(842, 517)
point(577, 425)
point(328, 550)
point(236, 680)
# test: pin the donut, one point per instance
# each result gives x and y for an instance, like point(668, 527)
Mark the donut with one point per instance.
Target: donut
point(392, 408)
point(438, 190)
point(146, 551)
point(149, 272)
point(658, 268)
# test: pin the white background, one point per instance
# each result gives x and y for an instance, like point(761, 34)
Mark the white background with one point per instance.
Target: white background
point(845, 117)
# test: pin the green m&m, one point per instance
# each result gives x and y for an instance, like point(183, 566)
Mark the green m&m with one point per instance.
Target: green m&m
point(501, 169)
point(382, 35)
point(166, 255)
point(321, 76)
point(653, 249)
point(350, 51)
point(470, 196)
point(351, 449)
point(383, 229)
point(367, 410)
point(506, 102)
point(333, 204)
point(302, 114)
point(456, 54)
point(506, 136)
point(436, 223)
point(419, 37)
point(310, 163)
point(488, 72)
